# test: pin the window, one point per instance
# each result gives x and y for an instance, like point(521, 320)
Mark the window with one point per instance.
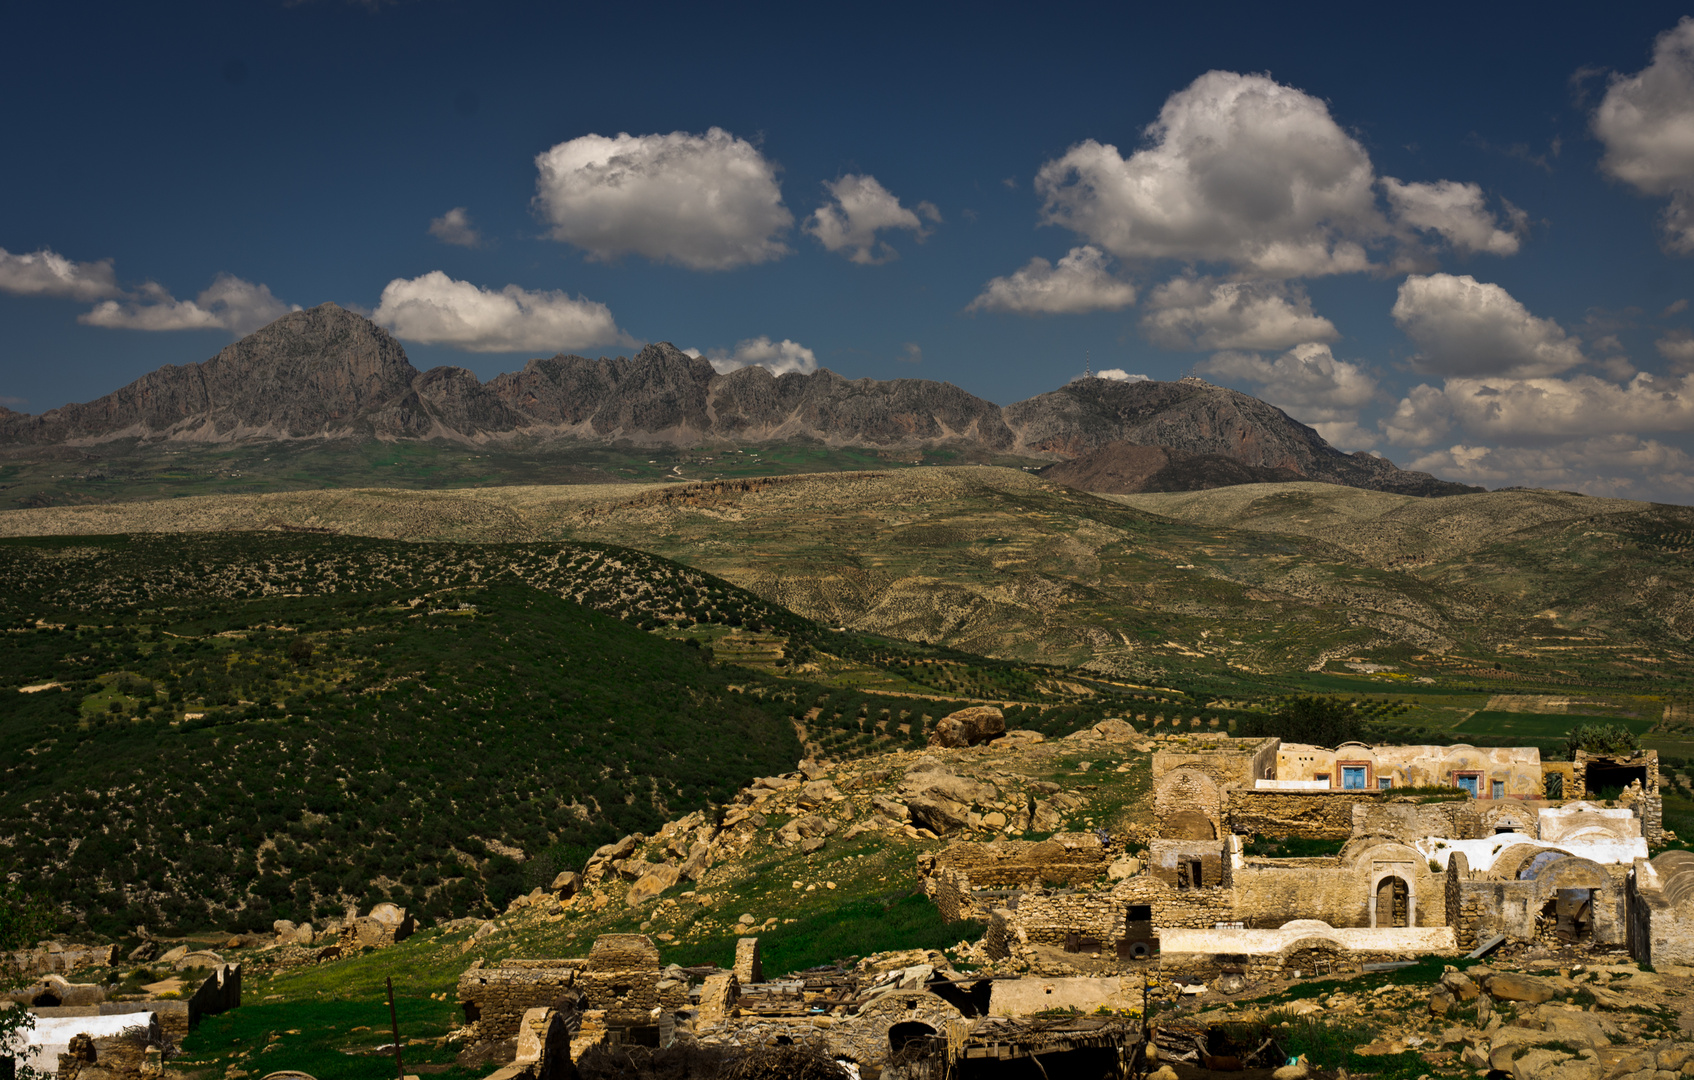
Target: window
point(1353, 777)
point(1470, 783)
point(1383, 783)
point(1322, 777)
point(1497, 790)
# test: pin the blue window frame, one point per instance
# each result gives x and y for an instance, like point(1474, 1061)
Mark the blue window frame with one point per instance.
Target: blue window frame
point(1469, 783)
point(1353, 777)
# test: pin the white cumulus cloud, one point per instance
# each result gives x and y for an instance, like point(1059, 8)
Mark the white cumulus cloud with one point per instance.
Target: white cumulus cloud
point(229, 303)
point(860, 207)
point(1619, 466)
point(1456, 212)
point(1542, 410)
point(1080, 282)
point(1465, 327)
point(780, 357)
point(1200, 313)
point(435, 309)
point(1646, 123)
point(1308, 383)
point(454, 227)
point(707, 202)
point(1239, 170)
point(47, 273)
point(1114, 374)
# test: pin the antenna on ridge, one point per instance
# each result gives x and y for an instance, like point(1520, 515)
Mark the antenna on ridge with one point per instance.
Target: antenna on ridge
point(1088, 364)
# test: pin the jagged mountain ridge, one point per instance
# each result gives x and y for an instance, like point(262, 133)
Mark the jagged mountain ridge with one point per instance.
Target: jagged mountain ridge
point(329, 373)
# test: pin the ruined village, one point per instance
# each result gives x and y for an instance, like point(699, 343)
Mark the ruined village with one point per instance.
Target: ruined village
point(1483, 907)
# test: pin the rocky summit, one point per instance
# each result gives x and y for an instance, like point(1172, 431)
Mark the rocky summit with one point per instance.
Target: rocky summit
point(329, 374)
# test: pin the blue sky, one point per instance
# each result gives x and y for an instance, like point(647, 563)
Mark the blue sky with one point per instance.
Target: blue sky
point(1459, 237)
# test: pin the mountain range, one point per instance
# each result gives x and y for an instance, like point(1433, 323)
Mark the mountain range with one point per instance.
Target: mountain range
point(331, 374)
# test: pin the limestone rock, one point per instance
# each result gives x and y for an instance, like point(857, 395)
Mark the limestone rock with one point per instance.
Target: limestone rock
point(819, 792)
point(174, 955)
point(938, 814)
point(566, 885)
point(885, 805)
point(1507, 987)
point(1123, 868)
point(144, 952)
point(969, 727)
point(805, 828)
point(1460, 985)
point(699, 858)
point(1674, 1056)
point(1114, 729)
point(652, 883)
point(1047, 817)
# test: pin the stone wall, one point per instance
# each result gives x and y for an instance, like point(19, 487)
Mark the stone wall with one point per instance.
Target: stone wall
point(1409, 822)
point(749, 964)
point(1305, 945)
point(1661, 909)
point(950, 892)
point(1067, 858)
point(862, 1039)
point(1315, 815)
point(622, 978)
point(1647, 803)
point(1229, 762)
point(494, 999)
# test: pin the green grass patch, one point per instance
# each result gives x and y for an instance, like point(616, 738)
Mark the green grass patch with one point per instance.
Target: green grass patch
point(329, 1038)
point(856, 928)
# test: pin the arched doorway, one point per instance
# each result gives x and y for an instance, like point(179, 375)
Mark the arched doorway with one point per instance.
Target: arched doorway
point(904, 1034)
point(1570, 915)
point(1392, 905)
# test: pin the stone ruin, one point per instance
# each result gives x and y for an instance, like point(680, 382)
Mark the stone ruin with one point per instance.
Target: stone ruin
point(866, 1016)
point(1410, 878)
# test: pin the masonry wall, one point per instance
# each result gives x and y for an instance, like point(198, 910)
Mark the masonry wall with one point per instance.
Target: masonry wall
point(1315, 815)
point(494, 999)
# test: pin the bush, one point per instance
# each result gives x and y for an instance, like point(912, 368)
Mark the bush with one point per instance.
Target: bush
point(1319, 721)
point(1611, 739)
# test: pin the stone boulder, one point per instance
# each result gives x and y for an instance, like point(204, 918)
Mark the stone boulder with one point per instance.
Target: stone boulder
point(1115, 729)
point(652, 883)
point(287, 933)
point(1507, 987)
point(969, 727)
point(818, 793)
point(938, 814)
point(566, 885)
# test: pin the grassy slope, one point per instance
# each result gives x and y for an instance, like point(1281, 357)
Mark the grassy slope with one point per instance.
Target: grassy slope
point(1551, 588)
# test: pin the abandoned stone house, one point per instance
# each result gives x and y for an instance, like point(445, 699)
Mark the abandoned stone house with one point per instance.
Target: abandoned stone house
point(1410, 877)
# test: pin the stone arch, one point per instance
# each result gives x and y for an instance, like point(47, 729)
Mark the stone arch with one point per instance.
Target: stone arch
point(1510, 819)
point(1391, 901)
point(1509, 864)
point(1311, 954)
point(1377, 863)
point(1183, 799)
point(905, 1033)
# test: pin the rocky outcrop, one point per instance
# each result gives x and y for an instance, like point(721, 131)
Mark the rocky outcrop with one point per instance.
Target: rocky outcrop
point(1194, 417)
